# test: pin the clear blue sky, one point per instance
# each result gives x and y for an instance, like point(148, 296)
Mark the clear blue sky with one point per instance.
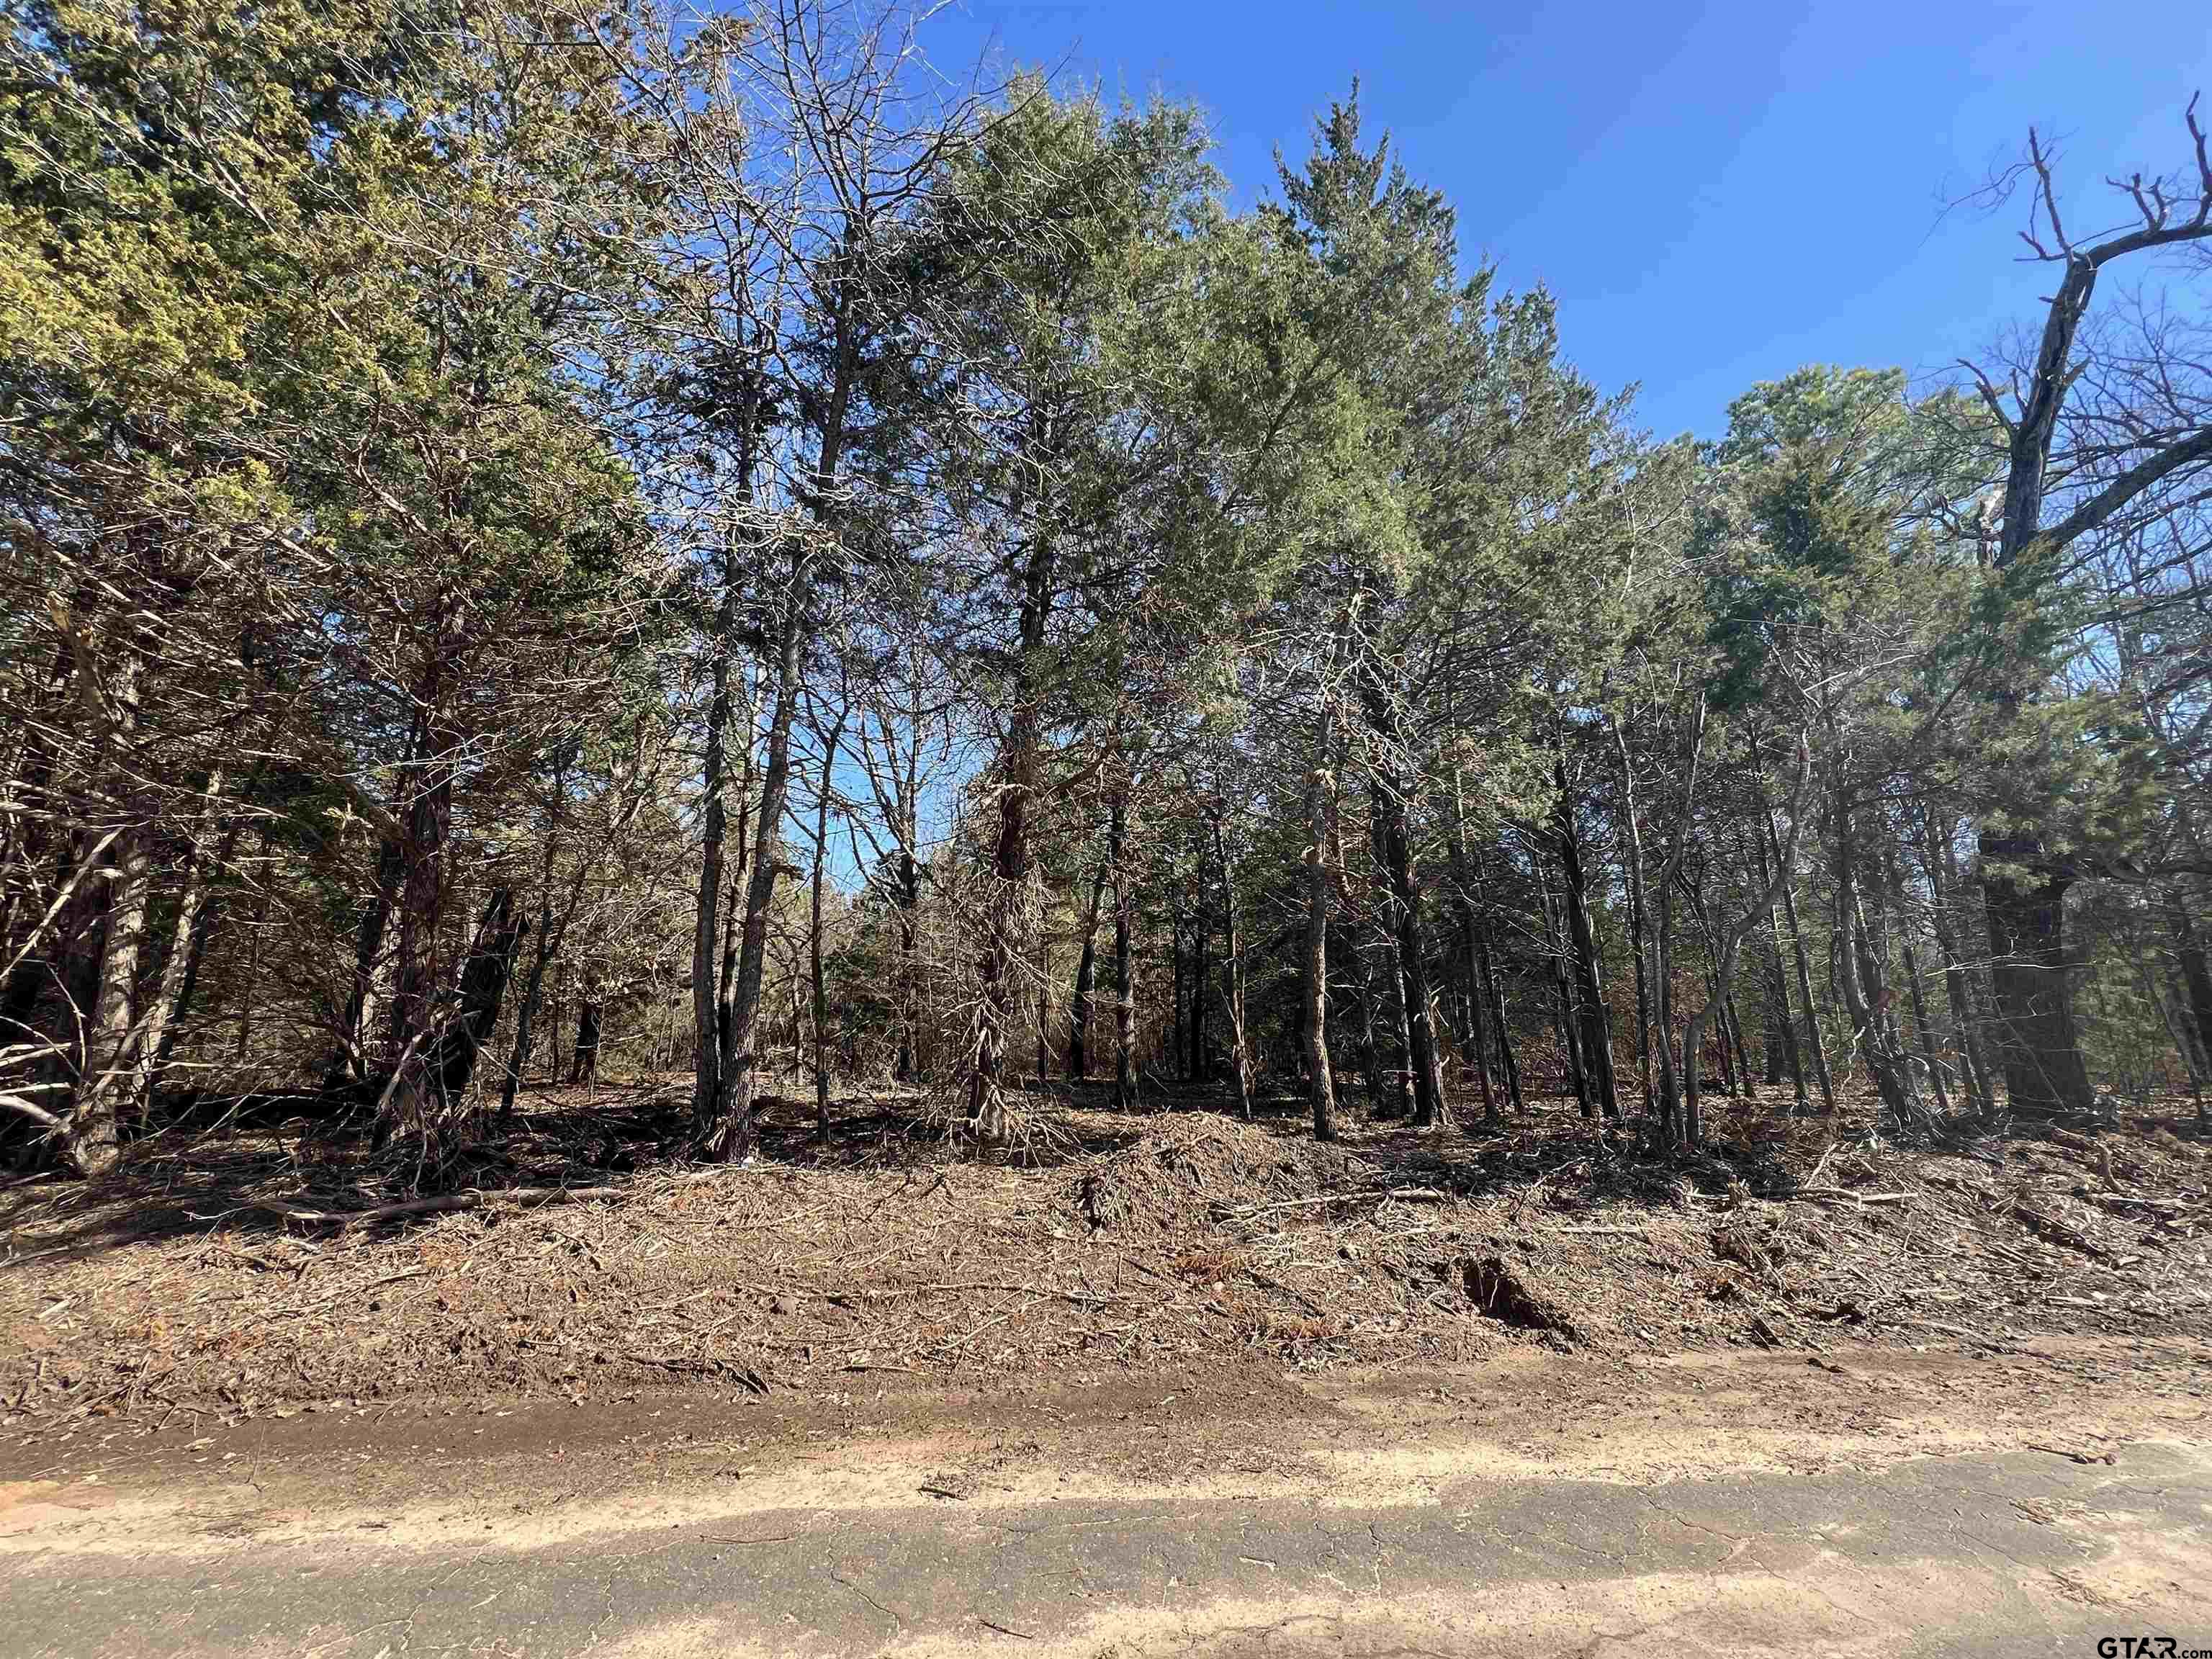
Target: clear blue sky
point(1718, 194)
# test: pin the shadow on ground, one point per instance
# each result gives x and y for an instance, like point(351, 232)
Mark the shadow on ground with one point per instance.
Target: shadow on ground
point(216, 1158)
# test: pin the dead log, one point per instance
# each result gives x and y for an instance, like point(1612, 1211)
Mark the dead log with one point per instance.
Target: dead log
point(2051, 1229)
point(1513, 1295)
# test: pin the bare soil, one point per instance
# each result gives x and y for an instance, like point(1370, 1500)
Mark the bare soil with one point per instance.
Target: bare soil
point(1728, 1501)
point(427, 1473)
point(1146, 1245)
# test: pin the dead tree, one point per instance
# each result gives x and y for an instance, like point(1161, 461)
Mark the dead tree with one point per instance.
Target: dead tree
point(2024, 890)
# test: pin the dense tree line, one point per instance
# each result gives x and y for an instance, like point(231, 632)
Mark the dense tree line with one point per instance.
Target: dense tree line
point(539, 538)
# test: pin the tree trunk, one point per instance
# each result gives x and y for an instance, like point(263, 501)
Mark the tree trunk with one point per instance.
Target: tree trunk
point(1784, 1040)
point(1004, 950)
point(2196, 979)
point(731, 1137)
point(1929, 1056)
point(1507, 1062)
point(584, 1063)
point(1743, 1077)
point(1804, 969)
point(351, 1056)
point(1771, 1038)
point(420, 972)
point(1125, 1013)
point(908, 1062)
point(111, 1068)
point(1232, 990)
point(1463, 872)
point(259, 931)
point(814, 928)
point(1638, 901)
point(1957, 986)
point(180, 971)
point(1571, 1047)
point(1928, 1052)
point(1402, 1030)
point(1728, 1049)
point(526, 1015)
point(989, 1118)
point(1596, 1020)
point(1201, 973)
point(1087, 970)
point(1693, 1037)
point(1728, 940)
point(707, 993)
point(1178, 1049)
point(108, 1085)
point(1395, 839)
point(483, 985)
point(740, 872)
point(1371, 1071)
point(1778, 984)
point(1321, 786)
point(559, 1007)
point(1860, 979)
point(1362, 970)
point(1043, 1009)
point(2038, 1045)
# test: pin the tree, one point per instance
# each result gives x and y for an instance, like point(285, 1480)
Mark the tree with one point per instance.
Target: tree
point(2118, 437)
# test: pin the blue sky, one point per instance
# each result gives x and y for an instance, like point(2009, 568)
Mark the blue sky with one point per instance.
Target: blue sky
point(1716, 194)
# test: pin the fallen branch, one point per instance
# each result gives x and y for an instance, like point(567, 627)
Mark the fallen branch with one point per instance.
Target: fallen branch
point(1404, 1194)
point(1837, 1194)
point(1603, 1232)
point(293, 1209)
point(2074, 1142)
point(973, 1284)
point(32, 1109)
point(2069, 1453)
point(1271, 1284)
point(2050, 1229)
point(744, 1376)
point(2163, 1205)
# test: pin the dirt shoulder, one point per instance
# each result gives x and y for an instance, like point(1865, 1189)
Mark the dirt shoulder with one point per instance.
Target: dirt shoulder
point(511, 1473)
point(1880, 1501)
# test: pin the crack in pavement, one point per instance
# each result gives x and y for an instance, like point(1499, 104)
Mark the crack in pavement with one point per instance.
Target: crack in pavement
point(892, 1613)
point(1681, 1520)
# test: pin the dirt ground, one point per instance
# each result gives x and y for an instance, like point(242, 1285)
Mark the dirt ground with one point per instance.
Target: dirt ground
point(426, 1473)
point(1742, 1502)
point(169, 1300)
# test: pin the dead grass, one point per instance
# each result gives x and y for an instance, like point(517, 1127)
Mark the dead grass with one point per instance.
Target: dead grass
point(1151, 1241)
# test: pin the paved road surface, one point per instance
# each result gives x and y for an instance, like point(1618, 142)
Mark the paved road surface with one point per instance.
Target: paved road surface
point(2024, 1553)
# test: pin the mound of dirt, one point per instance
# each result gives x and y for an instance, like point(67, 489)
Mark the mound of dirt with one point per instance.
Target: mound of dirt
point(171, 1287)
point(1176, 1178)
